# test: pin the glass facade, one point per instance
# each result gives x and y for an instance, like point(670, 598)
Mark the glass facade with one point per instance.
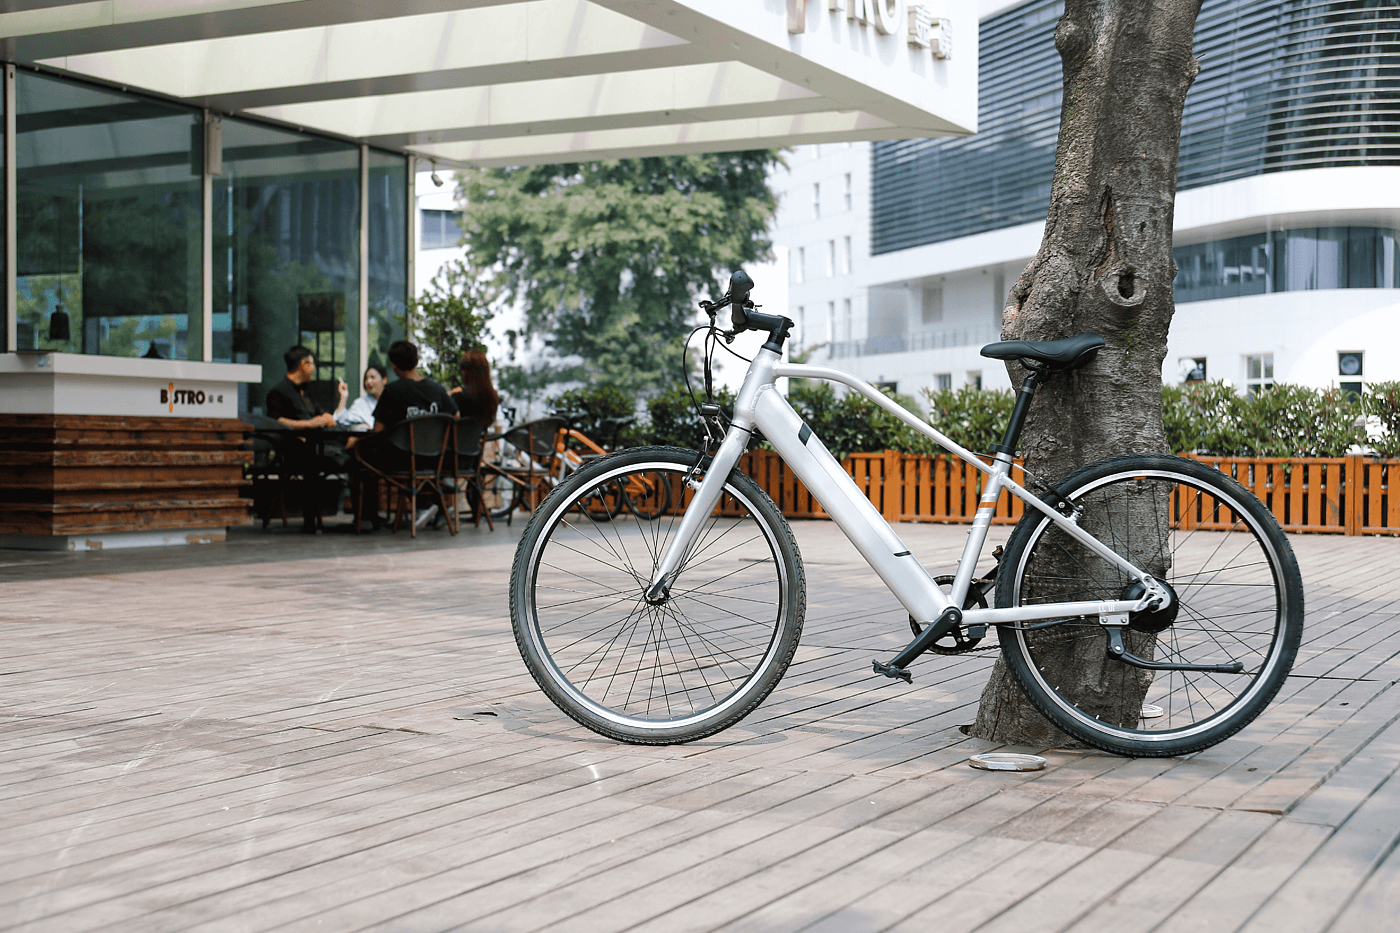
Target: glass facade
point(109, 220)
point(110, 200)
point(1287, 261)
point(287, 253)
point(1284, 84)
point(388, 254)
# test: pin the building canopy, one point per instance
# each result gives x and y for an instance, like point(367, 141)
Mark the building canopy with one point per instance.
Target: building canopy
point(510, 82)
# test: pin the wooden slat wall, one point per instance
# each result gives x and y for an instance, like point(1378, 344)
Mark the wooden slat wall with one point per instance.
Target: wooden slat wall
point(86, 474)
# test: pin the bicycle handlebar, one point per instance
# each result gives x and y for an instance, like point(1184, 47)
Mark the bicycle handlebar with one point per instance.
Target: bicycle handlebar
point(743, 316)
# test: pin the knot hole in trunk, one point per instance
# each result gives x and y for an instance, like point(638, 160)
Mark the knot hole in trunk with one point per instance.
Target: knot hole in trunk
point(1124, 287)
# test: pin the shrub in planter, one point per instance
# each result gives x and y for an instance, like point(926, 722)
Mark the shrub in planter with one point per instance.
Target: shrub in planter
point(674, 421)
point(852, 424)
point(1286, 421)
point(1381, 401)
point(975, 418)
point(599, 404)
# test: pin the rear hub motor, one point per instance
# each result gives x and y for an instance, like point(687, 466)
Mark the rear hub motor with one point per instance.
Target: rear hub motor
point(1151, 621)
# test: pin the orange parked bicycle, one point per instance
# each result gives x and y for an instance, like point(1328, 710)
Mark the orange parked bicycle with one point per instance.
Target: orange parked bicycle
point(545, 451)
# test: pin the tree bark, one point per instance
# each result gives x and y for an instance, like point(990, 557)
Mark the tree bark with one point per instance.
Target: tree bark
point(1104, 265)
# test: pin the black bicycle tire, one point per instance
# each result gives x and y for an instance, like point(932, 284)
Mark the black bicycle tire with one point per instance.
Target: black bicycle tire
point(776, 657)
point(1283, 646)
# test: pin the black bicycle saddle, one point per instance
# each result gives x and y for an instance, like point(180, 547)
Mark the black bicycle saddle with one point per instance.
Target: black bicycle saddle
point(1057, 355)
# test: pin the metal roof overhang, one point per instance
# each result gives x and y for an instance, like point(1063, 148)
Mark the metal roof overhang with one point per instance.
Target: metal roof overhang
point(512, 82)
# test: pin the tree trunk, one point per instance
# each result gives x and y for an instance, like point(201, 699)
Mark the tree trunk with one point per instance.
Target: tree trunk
point(1104, 265)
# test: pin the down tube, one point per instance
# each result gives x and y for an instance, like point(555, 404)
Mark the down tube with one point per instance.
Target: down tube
point(861, 522)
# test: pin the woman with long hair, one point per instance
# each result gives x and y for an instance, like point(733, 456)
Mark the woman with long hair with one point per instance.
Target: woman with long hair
point(477, 398)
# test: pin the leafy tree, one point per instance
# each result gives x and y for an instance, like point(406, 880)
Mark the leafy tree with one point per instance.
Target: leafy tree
point(607, 257)
point(451, 316)
point(1104, 265)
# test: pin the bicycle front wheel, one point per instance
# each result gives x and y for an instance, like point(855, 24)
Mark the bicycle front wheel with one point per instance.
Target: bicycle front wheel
point(683, 668)
point(1238, 598)
point(647, 497)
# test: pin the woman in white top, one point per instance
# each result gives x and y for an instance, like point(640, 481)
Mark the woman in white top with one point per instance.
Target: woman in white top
point(361, 411)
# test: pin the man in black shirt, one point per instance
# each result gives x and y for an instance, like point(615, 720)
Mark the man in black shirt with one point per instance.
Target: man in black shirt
point(287, 401)
point(409, 395)
point(412, 393)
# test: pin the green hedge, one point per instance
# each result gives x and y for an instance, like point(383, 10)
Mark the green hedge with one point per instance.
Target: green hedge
point(1207, 418)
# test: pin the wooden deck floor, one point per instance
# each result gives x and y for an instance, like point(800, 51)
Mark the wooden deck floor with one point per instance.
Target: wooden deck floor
point(337, 734)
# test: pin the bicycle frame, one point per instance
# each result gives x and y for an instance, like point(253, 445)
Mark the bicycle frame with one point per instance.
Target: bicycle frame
point(760, 406)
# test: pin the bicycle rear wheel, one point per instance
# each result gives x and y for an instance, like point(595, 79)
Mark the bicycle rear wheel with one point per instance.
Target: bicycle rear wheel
point(1238, 597)
point(678, 670)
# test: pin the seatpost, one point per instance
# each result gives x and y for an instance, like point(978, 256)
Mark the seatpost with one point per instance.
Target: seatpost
point(1018, 414)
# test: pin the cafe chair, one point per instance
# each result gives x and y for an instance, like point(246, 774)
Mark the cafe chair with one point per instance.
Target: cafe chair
point(269, 472)
point(537, 450)
point(408, 459)
point(463, 473)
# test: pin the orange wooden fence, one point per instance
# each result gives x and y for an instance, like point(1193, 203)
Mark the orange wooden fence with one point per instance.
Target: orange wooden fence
point(1340, 495)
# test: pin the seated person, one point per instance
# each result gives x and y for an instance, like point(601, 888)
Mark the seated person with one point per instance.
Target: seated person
point(360, 414)
point(476, 399)
point(287, 401)
point(408, 396)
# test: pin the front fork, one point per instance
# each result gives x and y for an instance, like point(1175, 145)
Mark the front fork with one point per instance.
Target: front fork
point(707, 493)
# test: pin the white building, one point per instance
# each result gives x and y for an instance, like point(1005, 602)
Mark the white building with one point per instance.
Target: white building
point(1287, 215)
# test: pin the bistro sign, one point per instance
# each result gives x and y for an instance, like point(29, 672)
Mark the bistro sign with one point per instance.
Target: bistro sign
point(171, 396)
point(888, 17)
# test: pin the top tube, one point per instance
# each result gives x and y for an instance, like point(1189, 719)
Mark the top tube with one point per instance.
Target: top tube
point(807, 371)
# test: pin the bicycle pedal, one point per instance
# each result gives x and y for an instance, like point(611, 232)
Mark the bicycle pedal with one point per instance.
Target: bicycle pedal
point(897, 673)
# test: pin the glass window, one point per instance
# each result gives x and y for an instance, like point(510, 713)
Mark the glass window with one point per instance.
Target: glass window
point(1351, 366)
point(816, 201)
point(109, 214)
point(1258, 372)
point(1192, 368)
point(388, 252)
point(441, 229)
point(286, 254)
point(942, 381)
point(1288, 260)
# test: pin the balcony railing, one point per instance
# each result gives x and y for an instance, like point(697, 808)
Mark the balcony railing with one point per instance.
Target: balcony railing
point(912, 343)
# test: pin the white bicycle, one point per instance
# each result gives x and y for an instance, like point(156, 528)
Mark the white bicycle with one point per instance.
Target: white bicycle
point(1170, 577)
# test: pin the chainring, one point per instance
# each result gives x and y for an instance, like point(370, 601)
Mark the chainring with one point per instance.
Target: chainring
point(962, 642)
